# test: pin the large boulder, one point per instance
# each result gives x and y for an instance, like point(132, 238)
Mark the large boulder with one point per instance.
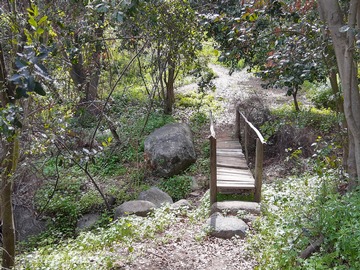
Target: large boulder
point(156, 196)
point(26, 223)
point(139, 208)
point(226, 227)
point(170, 149)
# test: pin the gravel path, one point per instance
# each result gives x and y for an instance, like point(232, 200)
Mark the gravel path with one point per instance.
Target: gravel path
point(180, 248)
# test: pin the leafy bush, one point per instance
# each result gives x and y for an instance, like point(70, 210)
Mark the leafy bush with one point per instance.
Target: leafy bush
point(323, 120)
point(322, 96)
point(178, 187)
point(341, 230)
point(295, 213)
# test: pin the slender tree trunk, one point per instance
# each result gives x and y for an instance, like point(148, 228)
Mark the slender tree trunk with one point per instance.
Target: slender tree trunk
point(344, 45)
point(340, 109)
point(296, 103)
point(170, 93)
point(9, 153)
point(8, 228)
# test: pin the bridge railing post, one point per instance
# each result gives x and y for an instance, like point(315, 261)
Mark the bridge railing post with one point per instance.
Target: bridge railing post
point(259, 157)
point(246, 140)
point(237, 125)
point(213, 171)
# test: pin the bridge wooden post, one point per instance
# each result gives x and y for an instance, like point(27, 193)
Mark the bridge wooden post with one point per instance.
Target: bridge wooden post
point(237, 125)
point(213, 171)
point(246, 141)
point(258, 169)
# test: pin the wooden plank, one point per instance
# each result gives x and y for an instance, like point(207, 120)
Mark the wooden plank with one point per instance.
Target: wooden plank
point(226, 170)
point(235, 190)
point(235, 185)
point(230, 154)
point(229, 144)
point(238, 174)
point(229, 150)
point(230, 178)
point(231, 162)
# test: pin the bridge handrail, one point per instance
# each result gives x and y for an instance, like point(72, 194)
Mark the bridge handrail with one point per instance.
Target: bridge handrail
point(258, 133)
point(212, 129)
point(259, 154)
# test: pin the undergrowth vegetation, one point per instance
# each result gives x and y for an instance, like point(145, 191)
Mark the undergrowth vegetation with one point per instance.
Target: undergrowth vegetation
point(104, 247)
point(298, 212)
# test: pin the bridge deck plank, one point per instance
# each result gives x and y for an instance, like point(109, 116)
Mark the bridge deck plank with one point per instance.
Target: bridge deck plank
point(232, 169)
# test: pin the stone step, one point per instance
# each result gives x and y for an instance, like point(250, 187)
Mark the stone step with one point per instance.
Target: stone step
point(233, 207)
point(226, 227)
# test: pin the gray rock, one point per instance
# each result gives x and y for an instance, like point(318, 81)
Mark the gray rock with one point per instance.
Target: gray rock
point(232, 207)
point(26, 223)
point(182, 203)
point(226, 227)
point(156, 196)
point(170, 149)
point(139, 208)
point(87, 221)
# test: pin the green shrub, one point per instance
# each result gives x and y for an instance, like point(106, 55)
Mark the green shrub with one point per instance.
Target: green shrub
point(323, 120)
point(341, 230)
point(178, 187)
point(322, 96)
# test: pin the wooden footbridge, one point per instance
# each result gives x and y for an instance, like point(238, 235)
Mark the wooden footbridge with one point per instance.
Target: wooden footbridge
point(230, 173)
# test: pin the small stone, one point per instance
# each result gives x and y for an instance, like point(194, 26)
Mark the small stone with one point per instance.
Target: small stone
point(156, 196)
point(227, 227)
point(181, 204)
point(138, 207)
point(87, 221)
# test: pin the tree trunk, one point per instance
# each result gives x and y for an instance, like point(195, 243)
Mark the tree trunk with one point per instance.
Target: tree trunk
point(9, 153)
point(170, 94)
point(340, 109)
point(8, 228)
point(344, 44)
point(294, 94)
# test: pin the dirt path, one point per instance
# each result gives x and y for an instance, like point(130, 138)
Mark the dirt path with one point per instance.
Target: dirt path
point(181, 247)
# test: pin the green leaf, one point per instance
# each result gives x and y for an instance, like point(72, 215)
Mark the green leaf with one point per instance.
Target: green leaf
point(39, 89)
point(30, 83)
point(42, 20)
point(39, 31)
point(16, 78)
point(19, 63)
point(32, 22)
point(20, 92)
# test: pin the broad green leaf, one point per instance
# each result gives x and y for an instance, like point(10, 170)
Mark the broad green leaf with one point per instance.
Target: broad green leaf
point(16, 78)
point(39, 89)
point(42, 20)
point(39, 31)
point(19, 63)
point(32, 22)
point(30, 83)
point(20, 93)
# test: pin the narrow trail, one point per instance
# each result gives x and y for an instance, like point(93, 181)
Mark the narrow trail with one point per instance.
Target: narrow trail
point(180, 247)
point(183, 246)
